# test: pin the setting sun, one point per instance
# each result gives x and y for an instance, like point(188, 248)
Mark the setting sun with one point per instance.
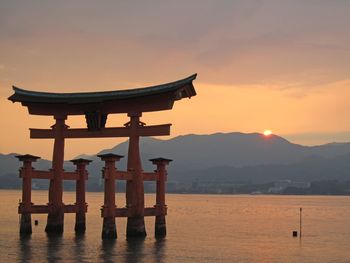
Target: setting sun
point(267, 132)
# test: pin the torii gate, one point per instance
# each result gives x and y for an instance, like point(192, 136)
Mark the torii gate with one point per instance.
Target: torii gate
point(96, 106)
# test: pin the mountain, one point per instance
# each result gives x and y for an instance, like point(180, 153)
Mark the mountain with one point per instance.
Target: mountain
point(307, 170)
point(192, 152)
point(9, 171)
point(234, 157)
point(9, 163)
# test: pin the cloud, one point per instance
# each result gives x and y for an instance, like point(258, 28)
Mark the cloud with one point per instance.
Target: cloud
point(289, 43)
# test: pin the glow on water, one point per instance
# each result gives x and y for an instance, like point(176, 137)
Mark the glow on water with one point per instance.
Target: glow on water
point(201, 228)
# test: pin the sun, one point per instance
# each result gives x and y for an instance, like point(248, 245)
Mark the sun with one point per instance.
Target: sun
point(267, 132)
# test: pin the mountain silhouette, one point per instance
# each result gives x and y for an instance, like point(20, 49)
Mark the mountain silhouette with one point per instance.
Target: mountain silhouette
point(223, 156)
point(229, 149)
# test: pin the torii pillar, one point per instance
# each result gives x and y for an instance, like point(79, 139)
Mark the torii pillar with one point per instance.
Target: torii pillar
point(135, 189)
point(161, 208)
point(55, 216)
point(80, 215)
point(109, 230)
point(26, 204)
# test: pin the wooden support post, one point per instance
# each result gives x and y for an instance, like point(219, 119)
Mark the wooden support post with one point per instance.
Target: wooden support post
point(80, 218)
point(134, 188)
point(160, 224)
point(109, 230)
point(55, 216)
point(25, 206)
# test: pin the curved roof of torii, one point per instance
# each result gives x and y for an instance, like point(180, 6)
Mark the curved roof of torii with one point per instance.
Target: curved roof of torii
point(154, 98)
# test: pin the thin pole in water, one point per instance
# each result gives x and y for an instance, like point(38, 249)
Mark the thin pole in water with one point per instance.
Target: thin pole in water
point(300, 222)
point(19, 215)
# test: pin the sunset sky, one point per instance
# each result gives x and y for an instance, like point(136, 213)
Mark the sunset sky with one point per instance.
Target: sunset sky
point(277, 65)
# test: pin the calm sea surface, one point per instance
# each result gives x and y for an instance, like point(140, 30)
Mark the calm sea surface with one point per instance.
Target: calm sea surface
point(201, 228)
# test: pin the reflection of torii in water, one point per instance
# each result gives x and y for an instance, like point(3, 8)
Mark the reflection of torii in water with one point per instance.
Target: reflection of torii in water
point(96, 106)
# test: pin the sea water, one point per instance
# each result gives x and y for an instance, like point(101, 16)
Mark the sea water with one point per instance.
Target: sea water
point(201, 228)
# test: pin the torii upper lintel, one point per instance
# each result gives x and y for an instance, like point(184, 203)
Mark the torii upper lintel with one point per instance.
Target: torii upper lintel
point(154, 98)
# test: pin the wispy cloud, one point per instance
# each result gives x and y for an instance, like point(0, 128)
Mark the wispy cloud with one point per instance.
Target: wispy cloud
point(228, 42)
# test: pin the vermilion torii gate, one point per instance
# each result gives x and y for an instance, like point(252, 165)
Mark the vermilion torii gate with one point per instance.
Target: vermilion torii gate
point(96, 106)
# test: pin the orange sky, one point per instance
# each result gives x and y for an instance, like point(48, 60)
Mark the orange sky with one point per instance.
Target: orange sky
point(260, 64)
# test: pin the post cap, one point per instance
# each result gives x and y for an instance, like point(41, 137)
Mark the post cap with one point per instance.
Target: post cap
point(80, 160)
point(160, 160)
point(27, 157)
point(110, 156)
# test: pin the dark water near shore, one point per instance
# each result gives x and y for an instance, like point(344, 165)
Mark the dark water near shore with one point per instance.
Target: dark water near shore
point(201, 228)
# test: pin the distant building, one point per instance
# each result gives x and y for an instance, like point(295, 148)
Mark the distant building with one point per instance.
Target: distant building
point(279, 186)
